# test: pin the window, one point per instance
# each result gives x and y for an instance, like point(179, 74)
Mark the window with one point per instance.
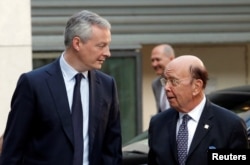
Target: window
point(125, 67)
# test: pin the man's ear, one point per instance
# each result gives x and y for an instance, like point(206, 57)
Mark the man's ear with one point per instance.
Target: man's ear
point(197, 86)
point(76, 43)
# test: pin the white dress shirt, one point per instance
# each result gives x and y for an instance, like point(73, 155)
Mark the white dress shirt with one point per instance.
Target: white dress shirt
point(195, 114)
point(69, 79)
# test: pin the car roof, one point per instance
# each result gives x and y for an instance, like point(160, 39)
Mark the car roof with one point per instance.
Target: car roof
point(235, 89)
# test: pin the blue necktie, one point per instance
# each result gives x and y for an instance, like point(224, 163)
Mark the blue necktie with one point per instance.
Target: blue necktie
point(77, 118)
point(182, 140)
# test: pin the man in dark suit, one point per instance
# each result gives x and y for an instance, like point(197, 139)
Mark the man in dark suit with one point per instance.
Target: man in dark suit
point(209, 126)
point(161, 55)
point(40, 125)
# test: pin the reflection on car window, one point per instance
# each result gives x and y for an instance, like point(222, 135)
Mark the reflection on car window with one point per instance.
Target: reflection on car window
point(236, 102)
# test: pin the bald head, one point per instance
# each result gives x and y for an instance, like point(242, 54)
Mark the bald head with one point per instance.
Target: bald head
point(165, 50)
point(188, 65)
point(186, 78)
point(186, 61)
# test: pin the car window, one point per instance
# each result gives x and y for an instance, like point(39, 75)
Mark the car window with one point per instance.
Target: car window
point(236, 102)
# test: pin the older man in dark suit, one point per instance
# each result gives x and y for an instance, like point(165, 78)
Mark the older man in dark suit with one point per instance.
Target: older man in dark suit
point(183, 134)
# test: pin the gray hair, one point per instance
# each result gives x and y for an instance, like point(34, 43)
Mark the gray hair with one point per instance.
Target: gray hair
point(80, 25)
point(169, 51)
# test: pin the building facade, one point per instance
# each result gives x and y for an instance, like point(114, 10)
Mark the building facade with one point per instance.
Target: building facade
point(217, 31)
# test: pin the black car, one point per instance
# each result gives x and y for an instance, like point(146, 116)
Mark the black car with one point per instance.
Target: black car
point(236, 99)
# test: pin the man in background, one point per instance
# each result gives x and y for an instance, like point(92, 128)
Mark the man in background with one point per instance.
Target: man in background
point(161, 55)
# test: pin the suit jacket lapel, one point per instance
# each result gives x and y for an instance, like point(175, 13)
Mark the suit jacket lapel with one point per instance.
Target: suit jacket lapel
point(58, 91)
point(158, 89)
point(203, 127)
point(94, 106)
point(172, 132)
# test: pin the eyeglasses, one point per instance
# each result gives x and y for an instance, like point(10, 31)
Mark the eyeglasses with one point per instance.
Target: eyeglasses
point(172, 81)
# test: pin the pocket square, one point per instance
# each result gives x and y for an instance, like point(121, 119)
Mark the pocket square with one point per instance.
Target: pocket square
point(211, 147)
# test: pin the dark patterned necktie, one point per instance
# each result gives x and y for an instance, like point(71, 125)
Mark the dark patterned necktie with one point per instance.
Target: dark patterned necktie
point(182, 140)
point(77, 118)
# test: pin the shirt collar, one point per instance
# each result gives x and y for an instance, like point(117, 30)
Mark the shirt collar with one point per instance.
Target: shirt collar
point(68, 71)
point(196, 112)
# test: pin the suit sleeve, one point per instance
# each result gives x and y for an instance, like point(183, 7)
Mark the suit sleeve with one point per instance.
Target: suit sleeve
point(19, 123)
point(238, 139)
point(151, 155)
point(113, 153)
